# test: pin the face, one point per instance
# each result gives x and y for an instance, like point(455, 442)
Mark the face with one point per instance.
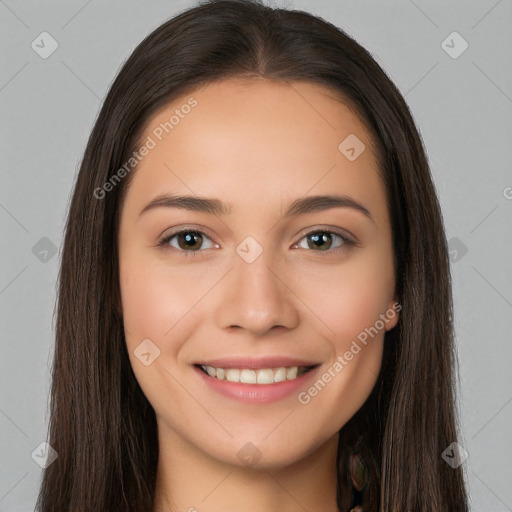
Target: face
point(291, 294)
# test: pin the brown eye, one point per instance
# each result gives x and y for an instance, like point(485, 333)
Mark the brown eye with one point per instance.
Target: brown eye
point(325, 240)
point(189, 241)
point(321, 240)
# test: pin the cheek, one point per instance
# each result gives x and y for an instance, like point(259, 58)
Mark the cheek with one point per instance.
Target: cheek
point(348, 301)
point(158, 304)
point(155, 299)
point(351, 308)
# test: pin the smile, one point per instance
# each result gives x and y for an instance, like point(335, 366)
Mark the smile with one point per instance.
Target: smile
point(256, 376)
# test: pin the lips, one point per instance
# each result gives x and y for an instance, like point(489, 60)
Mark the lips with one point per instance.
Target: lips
point(253, 381)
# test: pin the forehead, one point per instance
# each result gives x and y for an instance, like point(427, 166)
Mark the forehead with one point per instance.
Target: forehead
point(258, 138)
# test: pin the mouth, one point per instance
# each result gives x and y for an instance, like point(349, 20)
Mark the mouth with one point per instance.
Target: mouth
point(262, 376)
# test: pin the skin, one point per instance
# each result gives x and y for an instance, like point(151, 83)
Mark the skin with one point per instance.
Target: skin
point(257, 145)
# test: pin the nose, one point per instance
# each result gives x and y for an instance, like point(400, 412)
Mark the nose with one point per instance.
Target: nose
point(256, 297)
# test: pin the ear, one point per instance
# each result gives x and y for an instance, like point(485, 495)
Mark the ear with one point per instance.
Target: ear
point(392, 314)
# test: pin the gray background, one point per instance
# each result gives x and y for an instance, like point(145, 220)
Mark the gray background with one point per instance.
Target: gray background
point(463, 109)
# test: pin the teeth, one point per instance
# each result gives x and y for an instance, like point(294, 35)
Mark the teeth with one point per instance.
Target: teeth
point(268, 376)
point(262, 376)
point(232, 375)
point(248, 376)
point(291, 373)
point(281, 374)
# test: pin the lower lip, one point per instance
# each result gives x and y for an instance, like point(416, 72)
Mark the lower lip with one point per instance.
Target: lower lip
point(256, 393)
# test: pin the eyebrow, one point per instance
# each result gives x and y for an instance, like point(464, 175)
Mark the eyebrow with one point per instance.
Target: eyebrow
point(309, 204)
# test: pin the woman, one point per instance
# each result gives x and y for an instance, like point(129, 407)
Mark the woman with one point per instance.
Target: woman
point(254, 309)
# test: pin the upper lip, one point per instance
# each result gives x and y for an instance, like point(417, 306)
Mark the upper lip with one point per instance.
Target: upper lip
point(256, 362)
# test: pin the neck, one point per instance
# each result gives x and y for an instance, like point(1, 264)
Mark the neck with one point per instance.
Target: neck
point(188, 480)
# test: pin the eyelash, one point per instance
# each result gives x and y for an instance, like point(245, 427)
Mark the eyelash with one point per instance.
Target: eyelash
point(347, 242)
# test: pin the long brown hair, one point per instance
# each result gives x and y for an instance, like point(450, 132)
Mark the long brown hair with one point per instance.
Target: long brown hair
point(101, 424)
